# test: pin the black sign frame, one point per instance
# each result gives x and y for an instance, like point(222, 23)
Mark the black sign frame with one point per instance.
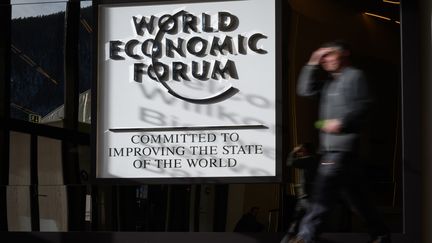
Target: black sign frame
point(280, 107)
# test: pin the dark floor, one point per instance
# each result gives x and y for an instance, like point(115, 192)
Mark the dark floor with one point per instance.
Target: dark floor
point(161, 237)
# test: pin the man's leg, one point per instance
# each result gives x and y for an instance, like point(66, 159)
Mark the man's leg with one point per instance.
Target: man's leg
point(300, 211)
point(325, 192)
point(301, 208)
point(355, 193)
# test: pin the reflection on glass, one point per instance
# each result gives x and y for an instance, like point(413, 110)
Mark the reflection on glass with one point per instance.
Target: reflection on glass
point(85, 69)
point(34, 8)
point(138, 208)
point(37, 60)
point(53, 206)
point(85, 64)
point(18, 208)
point(37, 95)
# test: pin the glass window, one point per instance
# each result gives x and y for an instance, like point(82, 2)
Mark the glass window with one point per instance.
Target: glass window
point(37, 95)
point(37, 41)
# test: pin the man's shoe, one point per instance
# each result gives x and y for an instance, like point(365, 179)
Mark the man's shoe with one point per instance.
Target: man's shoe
point(297, 240)
point(287, 238)
point(382, 239)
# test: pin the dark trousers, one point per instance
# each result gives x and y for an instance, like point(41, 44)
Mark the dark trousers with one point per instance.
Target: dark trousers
point(339, 174)
point(299, 212)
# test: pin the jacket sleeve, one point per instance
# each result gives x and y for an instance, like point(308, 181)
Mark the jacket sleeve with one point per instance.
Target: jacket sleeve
point(305, 162)
point(290, 159)
point(358, 102)
point(308, 82)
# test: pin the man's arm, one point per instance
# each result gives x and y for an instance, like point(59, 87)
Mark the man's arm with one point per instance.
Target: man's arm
point(308, 83)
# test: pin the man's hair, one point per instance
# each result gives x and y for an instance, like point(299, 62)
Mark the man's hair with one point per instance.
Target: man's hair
point(340, 44)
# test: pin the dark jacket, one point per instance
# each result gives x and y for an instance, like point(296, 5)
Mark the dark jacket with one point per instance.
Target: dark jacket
point(345, 98)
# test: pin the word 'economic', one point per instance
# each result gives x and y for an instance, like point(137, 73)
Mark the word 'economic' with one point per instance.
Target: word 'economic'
point(159, 44)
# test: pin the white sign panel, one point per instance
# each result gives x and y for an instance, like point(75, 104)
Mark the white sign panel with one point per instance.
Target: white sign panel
point(187, 90)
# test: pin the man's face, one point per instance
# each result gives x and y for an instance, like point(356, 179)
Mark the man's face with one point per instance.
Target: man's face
point(333, 61)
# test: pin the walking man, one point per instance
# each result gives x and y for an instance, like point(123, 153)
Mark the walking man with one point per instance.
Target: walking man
point(343, 106)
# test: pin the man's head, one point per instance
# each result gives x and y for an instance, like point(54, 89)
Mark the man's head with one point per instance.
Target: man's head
point(337, 58)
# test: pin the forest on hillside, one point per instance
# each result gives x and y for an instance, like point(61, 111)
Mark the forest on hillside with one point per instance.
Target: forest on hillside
point(37, 62)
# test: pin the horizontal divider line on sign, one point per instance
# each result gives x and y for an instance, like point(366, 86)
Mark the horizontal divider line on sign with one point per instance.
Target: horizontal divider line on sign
point(200, 128)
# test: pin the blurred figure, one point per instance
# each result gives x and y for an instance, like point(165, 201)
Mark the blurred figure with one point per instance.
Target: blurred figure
point(249, 223)
point(302, 157)
point(343, 106)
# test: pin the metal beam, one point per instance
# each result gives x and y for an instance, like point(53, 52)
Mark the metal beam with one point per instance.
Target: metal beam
point(71, 170)
point(5, 42)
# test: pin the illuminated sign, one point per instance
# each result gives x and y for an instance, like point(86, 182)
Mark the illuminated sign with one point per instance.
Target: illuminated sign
point(186, 90)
